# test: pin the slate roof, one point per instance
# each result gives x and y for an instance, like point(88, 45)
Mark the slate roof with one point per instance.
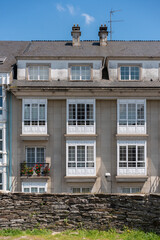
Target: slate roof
point(13, 49)
point(85, 84)
point(92, 49)
point(10, 49)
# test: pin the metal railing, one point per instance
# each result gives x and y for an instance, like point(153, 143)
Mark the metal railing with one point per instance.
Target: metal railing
point(33, 169)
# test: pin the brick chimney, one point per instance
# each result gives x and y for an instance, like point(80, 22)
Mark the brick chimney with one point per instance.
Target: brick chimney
point(103, 33)
point(76, 33)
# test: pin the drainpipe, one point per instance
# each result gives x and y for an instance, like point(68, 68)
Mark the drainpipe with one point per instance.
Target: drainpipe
point(9, 140)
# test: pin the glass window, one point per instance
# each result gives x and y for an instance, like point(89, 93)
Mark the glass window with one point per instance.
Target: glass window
point(81, 114)
point(131, 155)
point(131, 113)
point(34, 187)
point(131, 190)
point(35, 155)
point(129, 73)
point(38, 72)
point(81, 156)
point(1, 100)
point(80, 73)
point(81, 190)
point(34, 114)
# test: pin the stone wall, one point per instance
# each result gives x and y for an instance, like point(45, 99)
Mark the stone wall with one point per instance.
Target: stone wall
point(68, 211)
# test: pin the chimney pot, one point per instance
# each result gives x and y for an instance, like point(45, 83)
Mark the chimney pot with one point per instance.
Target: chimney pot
point(103, 33)
point(76, 33)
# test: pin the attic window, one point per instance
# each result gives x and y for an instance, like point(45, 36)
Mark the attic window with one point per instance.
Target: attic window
point(81, 72)
point(38, 72)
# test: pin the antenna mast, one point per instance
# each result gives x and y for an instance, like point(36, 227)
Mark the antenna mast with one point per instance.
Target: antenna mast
point(111, 13)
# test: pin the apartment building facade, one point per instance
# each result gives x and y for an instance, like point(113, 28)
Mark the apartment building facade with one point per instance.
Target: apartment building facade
point(89, 112)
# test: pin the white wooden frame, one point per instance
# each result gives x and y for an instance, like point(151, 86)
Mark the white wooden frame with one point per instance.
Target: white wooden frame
point(34, 129)
point(34, 184)
point(81, 129)
point(132, 170)
point(81, 171)
point(131, 129)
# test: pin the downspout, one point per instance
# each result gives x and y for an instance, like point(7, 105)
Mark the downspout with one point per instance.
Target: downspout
point(9, 140)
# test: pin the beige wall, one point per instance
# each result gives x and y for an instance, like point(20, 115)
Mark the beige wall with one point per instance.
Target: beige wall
point(106, 147)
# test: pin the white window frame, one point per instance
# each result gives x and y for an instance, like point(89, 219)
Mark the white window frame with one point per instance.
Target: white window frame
point(81, 129)
point(129, 68)
point(38, 72)
point(37, 185)
point(35, 162)
point(80, 171)
point(131, 129)
point(34, 129)
point(80, 71)
point(131, 170)
point(131, 190)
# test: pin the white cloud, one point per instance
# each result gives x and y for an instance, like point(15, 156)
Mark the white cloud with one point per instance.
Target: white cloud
point(60, 8)
point(71, 9)
point(88, 18)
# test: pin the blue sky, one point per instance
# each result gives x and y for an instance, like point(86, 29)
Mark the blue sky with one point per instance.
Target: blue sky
point(53, 20)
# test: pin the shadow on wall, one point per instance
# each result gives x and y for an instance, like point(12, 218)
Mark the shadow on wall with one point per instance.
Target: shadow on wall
point(155, 185)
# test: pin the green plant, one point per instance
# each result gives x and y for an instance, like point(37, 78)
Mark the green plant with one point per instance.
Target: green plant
point(29, 170)
point(38, 169)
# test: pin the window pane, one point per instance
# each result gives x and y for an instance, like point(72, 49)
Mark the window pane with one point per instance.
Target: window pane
point(90, 156)
point(131, 156)
point(34, 189)
point(135, 190)
point(30, 155)
point(41, 190)
point(131, 114)
point(27, 114)
point(43, 72)
point(81, 114)
point(0, 178)
point(33, 72)
point(124, 73)
point(125, 190)
point(26, 190)
point(80, 156)
point(41, 114)
point(75, 72)
point(122, 156)
point(140, 153)
point(34, 114)
point(76, 190)
point(0, 134)
point(85, 73)
point(40, 155)
point(72, 114)
point(71, 153)
point(140, 114)
point(122, 114)
point(86, 190)
point(134, 73)
point(90, 116)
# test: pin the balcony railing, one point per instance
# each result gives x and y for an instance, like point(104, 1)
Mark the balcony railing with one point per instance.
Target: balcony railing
point(34, 169)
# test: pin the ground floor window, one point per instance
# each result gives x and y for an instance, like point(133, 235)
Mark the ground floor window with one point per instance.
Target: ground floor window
point(34, 187)
point(81, 190)
point(130, 189)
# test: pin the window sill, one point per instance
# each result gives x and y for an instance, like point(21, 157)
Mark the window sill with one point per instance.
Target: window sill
point(131, 178)
point(132, 135)
point(80, 179)
point(81, 135)
point(35, 137)
point(35, 177)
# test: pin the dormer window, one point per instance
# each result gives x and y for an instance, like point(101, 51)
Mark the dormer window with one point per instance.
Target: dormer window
point(129, 73)
point(80, 72)
point(38, 72)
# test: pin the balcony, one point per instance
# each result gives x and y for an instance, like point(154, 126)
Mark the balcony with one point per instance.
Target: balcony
point(34, 169)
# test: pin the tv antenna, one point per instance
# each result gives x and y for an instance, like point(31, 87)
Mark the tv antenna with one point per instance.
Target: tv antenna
point(110, 21)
